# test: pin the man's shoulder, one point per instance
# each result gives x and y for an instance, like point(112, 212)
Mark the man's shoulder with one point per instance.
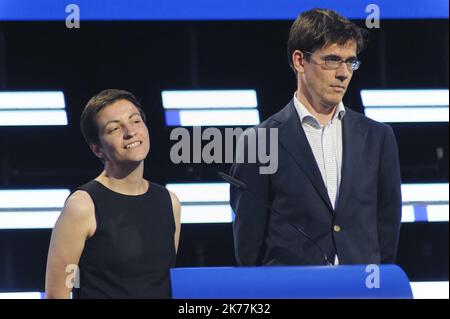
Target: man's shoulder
point(277, 119)
point(366, 122)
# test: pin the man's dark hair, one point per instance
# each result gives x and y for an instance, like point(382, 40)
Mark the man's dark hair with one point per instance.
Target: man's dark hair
point(316, 28)
point(88, 122)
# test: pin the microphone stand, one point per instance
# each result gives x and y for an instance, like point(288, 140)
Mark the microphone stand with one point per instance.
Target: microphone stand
point(242, 187)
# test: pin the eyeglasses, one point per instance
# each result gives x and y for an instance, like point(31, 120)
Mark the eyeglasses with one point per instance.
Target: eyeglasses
point(334, 62)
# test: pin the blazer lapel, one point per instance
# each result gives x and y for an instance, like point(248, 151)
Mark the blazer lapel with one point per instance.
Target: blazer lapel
point(293, 139)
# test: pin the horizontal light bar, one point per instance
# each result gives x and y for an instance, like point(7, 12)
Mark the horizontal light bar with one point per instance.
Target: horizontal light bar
point(209, 99)
point(32, 100)
point(28, 220)
point(206, 214)
point(203, 202)
point(404, 98)
point(420, 290)
point(230, 10)
point(430, 289)
point(438, 213)
point(408, 214)
point(21, 295)
point(27, 209)
point(201, 192)
point(425, 202)
point(425, 192)
point(212, 117)
point(428, 213)
point(33, 118)
point(406, 106)
point(33, 198)
point(32, 108)
point(408, 115)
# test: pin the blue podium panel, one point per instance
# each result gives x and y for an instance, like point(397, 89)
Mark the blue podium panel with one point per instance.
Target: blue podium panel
point(356, 281)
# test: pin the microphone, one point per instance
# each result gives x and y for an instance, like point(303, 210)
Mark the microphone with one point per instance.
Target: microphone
point(233, 181)
point(240, 185)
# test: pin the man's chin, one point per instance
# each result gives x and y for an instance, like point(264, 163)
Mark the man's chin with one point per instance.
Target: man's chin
point(331, 104)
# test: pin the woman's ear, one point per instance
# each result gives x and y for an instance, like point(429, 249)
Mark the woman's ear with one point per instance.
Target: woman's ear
point(97, 150)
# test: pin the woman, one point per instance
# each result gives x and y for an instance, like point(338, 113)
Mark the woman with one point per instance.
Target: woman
point(119, 230)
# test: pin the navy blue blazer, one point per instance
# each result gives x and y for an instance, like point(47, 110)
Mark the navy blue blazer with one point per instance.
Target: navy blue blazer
point(363, 228)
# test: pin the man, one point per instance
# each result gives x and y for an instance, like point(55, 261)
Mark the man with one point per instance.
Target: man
point(119, 230)
point(335, 198)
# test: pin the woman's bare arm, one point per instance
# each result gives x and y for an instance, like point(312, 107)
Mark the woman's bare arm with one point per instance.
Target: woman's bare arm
point(75, 224)
point(177, 217)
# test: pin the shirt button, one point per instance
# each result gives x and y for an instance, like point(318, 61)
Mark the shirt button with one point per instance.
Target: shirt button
point(337, 228)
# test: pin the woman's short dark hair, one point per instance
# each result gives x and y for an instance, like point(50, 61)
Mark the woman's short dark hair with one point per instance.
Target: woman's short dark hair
point(316, 28)
point(88, 122)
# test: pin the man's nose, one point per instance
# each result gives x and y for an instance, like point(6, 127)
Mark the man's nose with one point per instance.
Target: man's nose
point(343, 72)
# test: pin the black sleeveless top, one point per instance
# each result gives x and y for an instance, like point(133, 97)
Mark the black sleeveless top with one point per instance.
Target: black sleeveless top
point(133, 247)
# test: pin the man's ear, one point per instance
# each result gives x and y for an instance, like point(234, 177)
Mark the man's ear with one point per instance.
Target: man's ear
point(298, 61)
point(97, 150)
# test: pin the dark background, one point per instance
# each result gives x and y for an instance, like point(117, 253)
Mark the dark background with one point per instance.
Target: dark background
point(147, 57)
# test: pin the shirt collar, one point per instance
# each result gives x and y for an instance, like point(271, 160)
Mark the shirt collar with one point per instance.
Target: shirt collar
point(306, 116)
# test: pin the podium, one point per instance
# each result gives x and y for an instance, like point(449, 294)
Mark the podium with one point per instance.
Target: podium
point(291, 282)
